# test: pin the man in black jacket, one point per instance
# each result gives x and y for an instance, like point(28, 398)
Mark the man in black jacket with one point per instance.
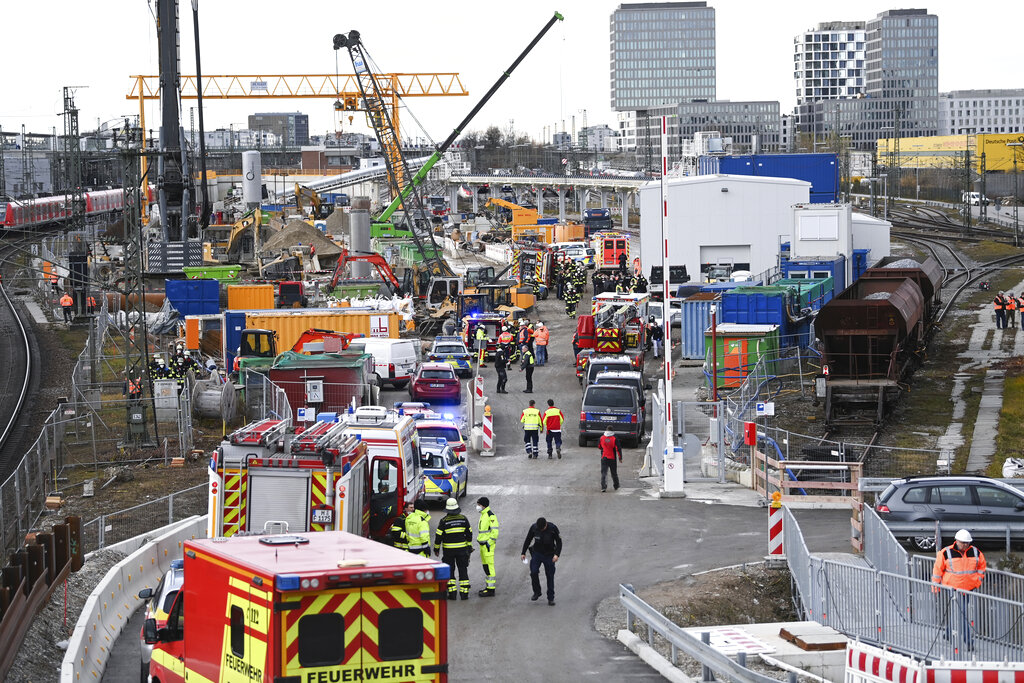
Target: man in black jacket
point(500, 365)
point(547, 546)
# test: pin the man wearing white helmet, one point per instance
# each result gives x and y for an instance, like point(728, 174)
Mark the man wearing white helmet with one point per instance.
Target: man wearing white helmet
point(960, 566)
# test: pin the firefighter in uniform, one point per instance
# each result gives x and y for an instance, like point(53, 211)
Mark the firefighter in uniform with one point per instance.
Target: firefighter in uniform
point(961, 566)
point(572, 298)
point(580, 278)
point(417, 528)
point(530, 419)
point(553, 419)
point(398, 535)
point(487, 537)
point(505, 340)
point(481, 344)
point(454, 541)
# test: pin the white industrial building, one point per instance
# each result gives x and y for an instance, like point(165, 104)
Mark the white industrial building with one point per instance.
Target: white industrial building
point(739, 220)
point(743, 220)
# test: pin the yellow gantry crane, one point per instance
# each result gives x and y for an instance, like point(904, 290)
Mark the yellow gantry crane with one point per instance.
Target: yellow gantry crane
point(343, 89)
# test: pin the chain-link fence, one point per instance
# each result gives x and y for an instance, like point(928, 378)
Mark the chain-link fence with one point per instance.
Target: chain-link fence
point(265, 399)
point(124, 524)
point(93, 427)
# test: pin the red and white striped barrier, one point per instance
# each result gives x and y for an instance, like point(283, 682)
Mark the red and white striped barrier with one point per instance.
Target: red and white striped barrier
point(868, 664)
point(478, 388)
point(488, 432)
point(775, 528)
point(986, 672)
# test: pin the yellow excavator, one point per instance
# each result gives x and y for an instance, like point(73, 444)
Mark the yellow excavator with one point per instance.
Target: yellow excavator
point(312, 200)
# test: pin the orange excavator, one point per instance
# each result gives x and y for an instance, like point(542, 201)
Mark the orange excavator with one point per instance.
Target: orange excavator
point(383, 269)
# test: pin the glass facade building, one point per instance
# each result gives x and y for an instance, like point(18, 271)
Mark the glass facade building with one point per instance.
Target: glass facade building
point(963, 112)
point(291, 128)
point(828, 62)
point(662, 53)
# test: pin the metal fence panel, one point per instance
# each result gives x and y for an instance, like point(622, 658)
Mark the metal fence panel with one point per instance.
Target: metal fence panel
point(881, 548)
point(124, 524)
point(703, 421)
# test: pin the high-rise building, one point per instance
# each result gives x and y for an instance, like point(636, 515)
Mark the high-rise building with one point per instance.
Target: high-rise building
point(981, 111)
point(902, 67)
point(291, 128)
point(751, 126)
point(662, 53)
point(901, 85)
point(828, 62)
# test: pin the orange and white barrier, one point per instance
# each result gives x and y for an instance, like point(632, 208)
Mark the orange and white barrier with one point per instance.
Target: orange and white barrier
point(775, 550)
point(488, 432)
point(975, 672)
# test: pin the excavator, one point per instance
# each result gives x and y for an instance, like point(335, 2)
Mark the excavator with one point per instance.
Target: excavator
point(378, 262)
point(311, 199)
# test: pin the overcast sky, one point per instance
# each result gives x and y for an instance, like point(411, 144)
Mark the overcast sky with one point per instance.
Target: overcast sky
point(100, 44)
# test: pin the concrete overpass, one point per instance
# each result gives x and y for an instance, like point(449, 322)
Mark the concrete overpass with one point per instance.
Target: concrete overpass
point(599, 188)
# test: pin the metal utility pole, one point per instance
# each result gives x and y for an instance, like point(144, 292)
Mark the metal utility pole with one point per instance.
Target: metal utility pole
point(73, 162)
point(1016, 193)
point(966, 194)
point(172, 165)
point(136, 342)
point(204, 212)
point(3, 173)
point(27, 165)
point(982, 206)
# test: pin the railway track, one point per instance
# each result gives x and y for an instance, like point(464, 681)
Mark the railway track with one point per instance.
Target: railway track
point(939, 222)
point(15, 359)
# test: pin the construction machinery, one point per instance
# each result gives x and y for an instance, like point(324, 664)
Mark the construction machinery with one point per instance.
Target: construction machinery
point(403, 186)
point(258, 347)
point(306, 197)
point(376, 260)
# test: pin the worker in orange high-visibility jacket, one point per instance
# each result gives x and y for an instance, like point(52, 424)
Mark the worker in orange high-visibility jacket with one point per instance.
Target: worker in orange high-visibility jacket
point(961, 566)
point(67, 304)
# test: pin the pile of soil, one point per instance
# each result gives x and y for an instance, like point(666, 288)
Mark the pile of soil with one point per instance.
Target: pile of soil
point(300, 232)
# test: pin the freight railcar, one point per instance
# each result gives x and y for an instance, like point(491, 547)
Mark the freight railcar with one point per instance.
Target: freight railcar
point(870, 335)
point(928, 275)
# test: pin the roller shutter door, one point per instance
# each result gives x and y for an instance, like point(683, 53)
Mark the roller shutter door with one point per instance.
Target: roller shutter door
point(278, 495)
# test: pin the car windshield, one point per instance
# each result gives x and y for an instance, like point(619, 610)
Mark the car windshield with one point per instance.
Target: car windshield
point(609, 397)
point(436, 374)
point(435, 462)
point(450, 348)
point(449, 433)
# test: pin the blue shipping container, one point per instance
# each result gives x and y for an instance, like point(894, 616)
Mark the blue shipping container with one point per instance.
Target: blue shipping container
point(820, 170)
point(194, 297)
point(833, 267)
point(695, 319)
point(234, 323)
point(766, 308)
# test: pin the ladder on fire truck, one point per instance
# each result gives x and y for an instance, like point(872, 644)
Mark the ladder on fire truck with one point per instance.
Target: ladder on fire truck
point(326, 440)
point(260, 433)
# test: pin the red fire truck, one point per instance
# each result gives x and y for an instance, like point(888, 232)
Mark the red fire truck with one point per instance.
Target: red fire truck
point(327, 606)
point(317, 480)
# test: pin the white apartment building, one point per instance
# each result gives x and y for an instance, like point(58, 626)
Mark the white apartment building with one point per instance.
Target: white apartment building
point(981, 111)
point(597, 138)
point(828, 62)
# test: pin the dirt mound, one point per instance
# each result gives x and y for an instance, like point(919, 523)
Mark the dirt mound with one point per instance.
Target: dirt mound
point(337, 222)
point(299, 232)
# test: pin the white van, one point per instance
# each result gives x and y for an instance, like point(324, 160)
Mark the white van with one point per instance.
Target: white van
point(394, 360)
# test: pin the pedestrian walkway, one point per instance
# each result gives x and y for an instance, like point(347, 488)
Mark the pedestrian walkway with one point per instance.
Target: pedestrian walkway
point(983, 350)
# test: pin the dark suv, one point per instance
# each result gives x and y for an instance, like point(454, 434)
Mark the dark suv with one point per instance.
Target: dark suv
point(631, 379)
point(961, 501)
point(610, 406)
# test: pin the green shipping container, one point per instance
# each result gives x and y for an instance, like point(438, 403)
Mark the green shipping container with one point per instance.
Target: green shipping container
point(813, 293)
point(739, 348)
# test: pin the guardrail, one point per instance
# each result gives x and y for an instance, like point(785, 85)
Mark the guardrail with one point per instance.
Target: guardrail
point(115, 599)
point(679, 640)
point(26, 584)
point(937, 529)
point(900, 612)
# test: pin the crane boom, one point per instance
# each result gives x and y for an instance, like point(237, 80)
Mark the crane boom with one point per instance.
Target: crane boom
point(457, 131)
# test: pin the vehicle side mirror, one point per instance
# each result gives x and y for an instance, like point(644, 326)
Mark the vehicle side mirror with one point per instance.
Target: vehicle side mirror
point(462, 458)
point(1020, 506)
point(145, 593)
point(149, 633)
point(648, 387)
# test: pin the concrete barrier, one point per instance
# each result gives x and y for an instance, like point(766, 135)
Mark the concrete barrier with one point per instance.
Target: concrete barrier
point(115, 598)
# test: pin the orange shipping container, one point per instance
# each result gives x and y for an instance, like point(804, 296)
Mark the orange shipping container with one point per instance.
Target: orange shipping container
point(290, 324)
point(250, 297)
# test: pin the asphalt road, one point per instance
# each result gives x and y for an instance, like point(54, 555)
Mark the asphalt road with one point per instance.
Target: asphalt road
point(609, 538)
